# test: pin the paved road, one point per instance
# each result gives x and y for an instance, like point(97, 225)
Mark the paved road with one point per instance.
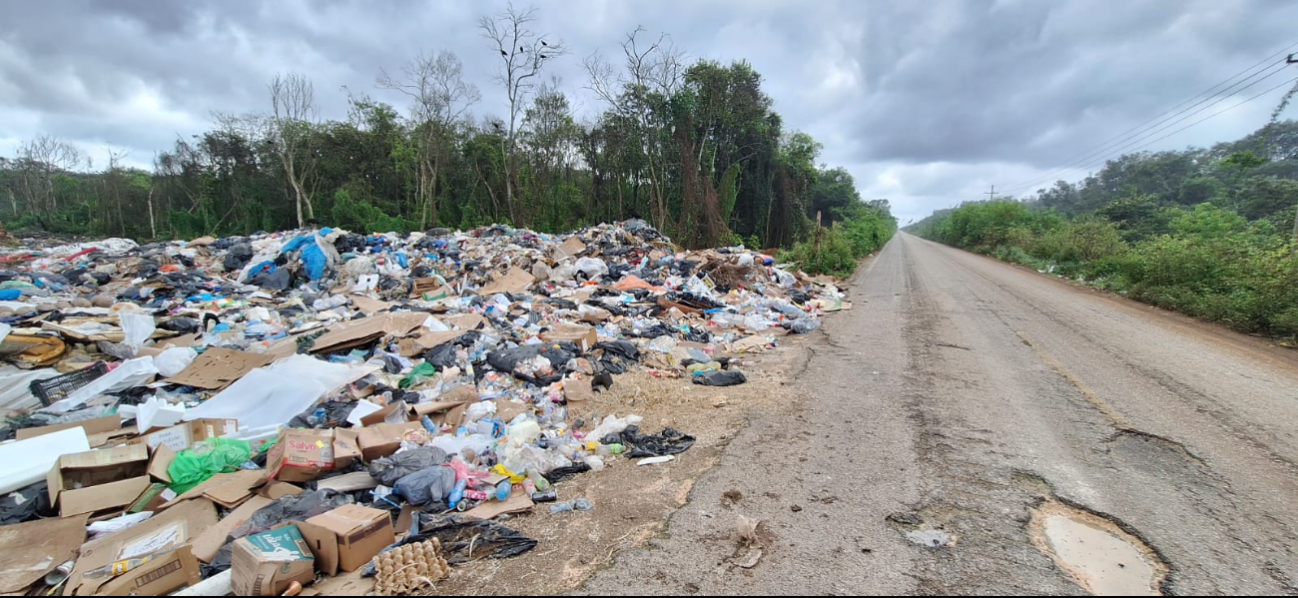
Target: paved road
point(959, 394)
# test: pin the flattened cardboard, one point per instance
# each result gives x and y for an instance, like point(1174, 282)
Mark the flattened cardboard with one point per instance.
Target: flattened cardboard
point(182, 436)
point(396, 413)
point(584, 336)
point(218, 368)
point(516, 280)
point(266, 564)
point(210, 541)
point(164, 531)
point(507, 410)
point(151, 499)
point(99, 425)
point(518, 502)
point(449, 408)
point(348, 482)
point(756, 342)
point(383, 439)
point(277, 490)
point(355, 333)
point(30, 550)
point(361, 533)
point(244, 479)
point(577, 390)
point(426, 341)
point(162, 575)
point(161, 460)
point(369, 306)
point(464, 322)
point(570, 248)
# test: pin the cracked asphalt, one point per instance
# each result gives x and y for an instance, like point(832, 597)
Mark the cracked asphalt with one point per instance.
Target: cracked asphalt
point(958, 394)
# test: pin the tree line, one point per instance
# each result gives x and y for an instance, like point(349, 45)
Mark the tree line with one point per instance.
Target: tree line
point(692, 147)
point(1212, 232)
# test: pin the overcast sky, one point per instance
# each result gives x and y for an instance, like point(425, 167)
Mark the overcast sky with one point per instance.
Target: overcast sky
point(926, 103)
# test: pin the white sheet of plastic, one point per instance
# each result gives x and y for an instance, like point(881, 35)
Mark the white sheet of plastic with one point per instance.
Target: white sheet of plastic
point(28, 461)
point(5, 329)
point(274, 394)
point(362, 409)
point(174, 360)
point(135, 372)
point(15, 387)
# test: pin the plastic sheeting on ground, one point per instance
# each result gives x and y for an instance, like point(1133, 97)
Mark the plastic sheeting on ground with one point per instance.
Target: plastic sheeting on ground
point(274, 394)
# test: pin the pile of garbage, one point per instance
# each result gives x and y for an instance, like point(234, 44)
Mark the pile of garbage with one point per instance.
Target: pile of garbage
point(179, 411)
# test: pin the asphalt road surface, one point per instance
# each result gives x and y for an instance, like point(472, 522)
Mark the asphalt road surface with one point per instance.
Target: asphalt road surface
point(962, 400)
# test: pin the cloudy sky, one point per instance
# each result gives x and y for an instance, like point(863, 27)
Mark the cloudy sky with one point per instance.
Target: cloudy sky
point(926, 103)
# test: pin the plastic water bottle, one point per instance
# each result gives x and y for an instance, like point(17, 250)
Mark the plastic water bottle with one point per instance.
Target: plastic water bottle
point(457, 493)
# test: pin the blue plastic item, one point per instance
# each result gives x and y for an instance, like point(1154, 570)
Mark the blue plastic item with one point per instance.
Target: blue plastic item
point(314, 260)
point(10, 294)
point(402, 259)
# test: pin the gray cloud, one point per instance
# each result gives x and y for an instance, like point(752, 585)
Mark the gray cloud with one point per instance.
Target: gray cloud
point(926, 103)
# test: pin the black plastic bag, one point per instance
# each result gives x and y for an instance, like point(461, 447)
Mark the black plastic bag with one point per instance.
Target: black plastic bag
point(388, 470)
point(458, 533)
point(669, 442)
point(336, 413)
point(237, 257)
point(721, 378)
point(624, 349)
point(442, 356)
point(26, 504)
point(182, 325)
point(559, 474)
point(427, 485)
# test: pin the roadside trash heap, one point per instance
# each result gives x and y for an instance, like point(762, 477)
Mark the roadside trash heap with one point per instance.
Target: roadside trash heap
point(254, 414)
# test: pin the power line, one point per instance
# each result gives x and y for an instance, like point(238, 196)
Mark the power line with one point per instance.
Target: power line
point(1171, 112)
point(1126, 143)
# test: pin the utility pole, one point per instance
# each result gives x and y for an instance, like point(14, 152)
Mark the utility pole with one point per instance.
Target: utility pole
point(991, 195)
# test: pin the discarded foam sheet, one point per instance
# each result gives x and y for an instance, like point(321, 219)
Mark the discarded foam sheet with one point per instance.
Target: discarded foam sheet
point(31, 459)
point(15, 387)
point(274, 394)
point(135, 372)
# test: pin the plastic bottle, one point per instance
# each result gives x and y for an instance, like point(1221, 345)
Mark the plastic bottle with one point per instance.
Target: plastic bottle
point(457, 493)
point(503, 490)
point(538, 480)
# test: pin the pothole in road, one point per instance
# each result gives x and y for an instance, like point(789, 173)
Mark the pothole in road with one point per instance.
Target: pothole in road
point(1097, 553)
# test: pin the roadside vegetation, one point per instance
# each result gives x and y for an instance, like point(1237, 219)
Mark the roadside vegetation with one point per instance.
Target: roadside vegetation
point(1206, 232)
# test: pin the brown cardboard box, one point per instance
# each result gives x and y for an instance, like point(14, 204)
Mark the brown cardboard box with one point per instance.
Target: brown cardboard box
point(182, 436)
point(584, 336)
point(98, 481)
point(266, 564)
point(384, 439)
point(358, 332)
point(162, 575)
point(98, 425)
point(361, 531)
point(168, 530)
point(303, 455)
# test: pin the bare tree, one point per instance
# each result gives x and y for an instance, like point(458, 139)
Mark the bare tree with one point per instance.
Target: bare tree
point(655, 70)
point(523, 54)
point(38, 161)
point(441, 99)
point(293, 110)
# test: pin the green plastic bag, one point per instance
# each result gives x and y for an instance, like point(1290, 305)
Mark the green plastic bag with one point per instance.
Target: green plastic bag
point(194, 466)
point(421, 372)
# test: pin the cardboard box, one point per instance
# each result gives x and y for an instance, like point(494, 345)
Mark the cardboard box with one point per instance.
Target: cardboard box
point(361, 533)
point(449, 408)
point(513, 282)
point(162, 575)
point(382, 440)
point(304, 455)
point(183, 436)
point(266, 564)
point(584, 336)
point(169, 530)
point(99, 481)
point(161, 460)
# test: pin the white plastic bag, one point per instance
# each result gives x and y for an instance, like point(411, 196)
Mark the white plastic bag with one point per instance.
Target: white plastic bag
point(174, 361)
point(137, 328)
point(592, 267)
